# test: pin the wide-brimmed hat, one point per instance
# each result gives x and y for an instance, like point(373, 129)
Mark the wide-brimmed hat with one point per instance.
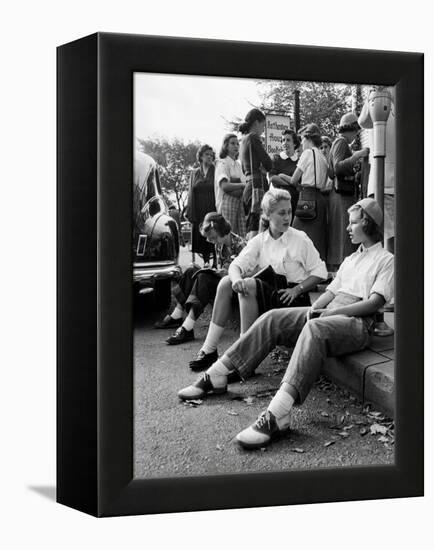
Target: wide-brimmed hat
point(372, 208)
point(348, 122)
point(310, 130)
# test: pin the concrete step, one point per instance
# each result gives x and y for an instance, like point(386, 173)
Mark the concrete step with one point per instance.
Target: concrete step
point(369, 374)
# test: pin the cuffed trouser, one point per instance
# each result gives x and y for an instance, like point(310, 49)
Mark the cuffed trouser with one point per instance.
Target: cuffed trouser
point(314, 340)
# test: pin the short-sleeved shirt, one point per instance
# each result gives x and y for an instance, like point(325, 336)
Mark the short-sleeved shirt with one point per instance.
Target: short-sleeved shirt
point(365, 272)
point(292, 254)
point(226, 168)
point(305, 164)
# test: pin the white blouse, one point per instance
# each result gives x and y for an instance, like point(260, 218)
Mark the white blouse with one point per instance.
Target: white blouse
point(226, 168)
point(292, 254)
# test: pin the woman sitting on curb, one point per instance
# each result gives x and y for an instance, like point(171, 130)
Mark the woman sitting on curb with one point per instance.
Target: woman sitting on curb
point(339, 322)
point(288, 251)
point(197, 287)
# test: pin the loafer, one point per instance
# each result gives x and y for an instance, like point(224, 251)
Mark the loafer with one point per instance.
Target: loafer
point(168, 323)
point(203, 360)
point(200, 389)
point(180, 336)
point(266, 428)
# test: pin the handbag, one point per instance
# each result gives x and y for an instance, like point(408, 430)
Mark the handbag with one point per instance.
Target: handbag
point(306, 205)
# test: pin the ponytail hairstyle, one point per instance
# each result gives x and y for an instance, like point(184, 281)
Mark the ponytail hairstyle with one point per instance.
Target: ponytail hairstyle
point(370, 228)
point(269, 204)
point(252, 116)
point(216, 222)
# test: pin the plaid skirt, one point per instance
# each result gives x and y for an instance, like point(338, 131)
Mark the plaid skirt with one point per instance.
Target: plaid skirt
point(232, 209)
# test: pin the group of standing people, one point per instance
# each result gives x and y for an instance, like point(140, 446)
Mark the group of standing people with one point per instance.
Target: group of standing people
point(318, 174)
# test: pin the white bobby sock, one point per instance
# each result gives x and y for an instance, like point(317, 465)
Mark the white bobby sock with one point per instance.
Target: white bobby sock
point(212, 338)
point(281, 403)
point(189, 322)
point(218, 373)
point(178, 312)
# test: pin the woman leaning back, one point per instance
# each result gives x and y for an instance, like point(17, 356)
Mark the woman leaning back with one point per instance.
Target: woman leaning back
point(288, 251)
point(197, 287)
point(342, 161)
point(255, 163)
point(230, 184)
point(201, 200)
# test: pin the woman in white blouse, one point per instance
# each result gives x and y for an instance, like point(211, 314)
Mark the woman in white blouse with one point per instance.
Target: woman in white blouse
point(288, 251)
point(230, 184)
point(312, 174)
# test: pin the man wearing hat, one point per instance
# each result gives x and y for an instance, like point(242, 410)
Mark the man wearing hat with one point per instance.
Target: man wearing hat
point(339, 322)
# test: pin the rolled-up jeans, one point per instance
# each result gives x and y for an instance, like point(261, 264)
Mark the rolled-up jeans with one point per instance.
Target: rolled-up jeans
point(314, 340)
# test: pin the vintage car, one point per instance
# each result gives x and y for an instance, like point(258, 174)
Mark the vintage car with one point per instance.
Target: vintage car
point(155, 234)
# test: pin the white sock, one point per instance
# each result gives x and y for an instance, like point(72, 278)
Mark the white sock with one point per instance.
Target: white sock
point(189, 322)
point(218, 373)
point(281, 403)
point(178, 312)
point(212, 338)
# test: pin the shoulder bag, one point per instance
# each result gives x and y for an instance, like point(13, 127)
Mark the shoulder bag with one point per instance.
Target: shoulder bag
point(306, 205)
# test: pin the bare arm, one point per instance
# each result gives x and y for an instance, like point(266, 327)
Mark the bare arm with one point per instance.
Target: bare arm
point(231, 187)
point(296, 176)
point(359, 309)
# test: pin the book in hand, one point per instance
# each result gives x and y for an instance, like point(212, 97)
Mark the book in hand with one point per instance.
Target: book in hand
point(269, 276)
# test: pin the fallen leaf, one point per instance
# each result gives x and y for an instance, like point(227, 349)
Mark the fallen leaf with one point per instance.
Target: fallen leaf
point(378, 429)
point(383, 439)
point(233, 413)
point(297, 450)
point(344, 434)
point(348, 427)
point(249, 400)
point(219, 448)
point(194, 402)
point(324, 413)
point(328, 443)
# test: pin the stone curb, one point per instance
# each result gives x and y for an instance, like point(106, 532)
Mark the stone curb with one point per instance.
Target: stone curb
point(369, 374)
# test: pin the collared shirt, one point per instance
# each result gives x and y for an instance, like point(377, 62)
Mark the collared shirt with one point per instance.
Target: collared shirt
point(226, 168)
point(365, 272)
point(284, 156)
point(292, 254)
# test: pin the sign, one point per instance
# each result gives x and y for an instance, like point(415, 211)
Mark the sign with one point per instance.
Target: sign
point(274, 126)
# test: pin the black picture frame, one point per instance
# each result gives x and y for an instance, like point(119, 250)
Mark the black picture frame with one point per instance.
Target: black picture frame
point(95, 358)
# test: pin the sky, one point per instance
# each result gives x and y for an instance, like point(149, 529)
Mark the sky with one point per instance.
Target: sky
point(190, 107)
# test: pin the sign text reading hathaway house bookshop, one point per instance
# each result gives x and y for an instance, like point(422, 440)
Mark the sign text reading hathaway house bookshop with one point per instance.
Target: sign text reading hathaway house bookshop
point(274, 126)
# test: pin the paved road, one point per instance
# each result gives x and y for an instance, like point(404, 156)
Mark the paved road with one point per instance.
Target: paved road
point(175, 439)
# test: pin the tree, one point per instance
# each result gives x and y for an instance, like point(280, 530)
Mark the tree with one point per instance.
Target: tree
point(320, 102)
point(175, 160)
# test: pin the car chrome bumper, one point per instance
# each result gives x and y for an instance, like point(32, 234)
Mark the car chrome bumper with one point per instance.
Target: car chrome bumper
point(149, 274)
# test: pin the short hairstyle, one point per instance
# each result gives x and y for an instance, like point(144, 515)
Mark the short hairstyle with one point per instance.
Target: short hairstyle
point(270, 201)
point(326, 140)
point(215, 221)
point(252, 116)
point(353, 127)
point(202, 150)
point(295, 137)
point(370, 228)
point(224, 149)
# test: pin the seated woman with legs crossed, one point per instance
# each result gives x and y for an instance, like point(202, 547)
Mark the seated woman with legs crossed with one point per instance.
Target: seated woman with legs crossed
point(288, 251)
point(339, 322)
point(197, 287)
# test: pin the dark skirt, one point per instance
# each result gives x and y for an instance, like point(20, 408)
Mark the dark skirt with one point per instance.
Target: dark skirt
point(253, 193)
point(268, 297)
point(339, 242)
point(196, 291)
point(316, 229)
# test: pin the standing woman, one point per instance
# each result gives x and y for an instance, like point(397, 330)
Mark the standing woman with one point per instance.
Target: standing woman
point(230, 184)
point(284, 165)
point(255, 162)
point(311, 173)
point(201, 200)
point(343, 194)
